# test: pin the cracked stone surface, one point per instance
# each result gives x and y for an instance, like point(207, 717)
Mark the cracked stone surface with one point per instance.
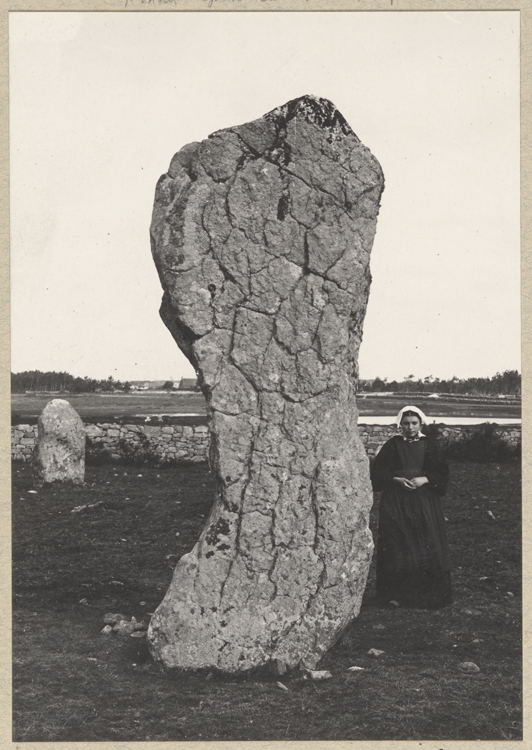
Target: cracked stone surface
point(261, 235)
point(60, 449)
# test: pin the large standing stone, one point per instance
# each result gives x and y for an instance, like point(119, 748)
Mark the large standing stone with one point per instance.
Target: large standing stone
point(60, 450)
point(261, 235)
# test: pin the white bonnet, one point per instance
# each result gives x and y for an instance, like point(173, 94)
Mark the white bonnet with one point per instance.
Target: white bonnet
point(417, 411)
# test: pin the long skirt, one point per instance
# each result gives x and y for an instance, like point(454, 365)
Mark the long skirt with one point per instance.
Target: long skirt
point(412, 550)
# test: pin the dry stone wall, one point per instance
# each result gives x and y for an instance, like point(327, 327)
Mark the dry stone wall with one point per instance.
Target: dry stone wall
point(162, 443)
point(177, 443)
point(168, 444)
point(374, 436)
point(23, 439)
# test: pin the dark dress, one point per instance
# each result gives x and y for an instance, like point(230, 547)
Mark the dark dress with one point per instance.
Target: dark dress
point(412, 551)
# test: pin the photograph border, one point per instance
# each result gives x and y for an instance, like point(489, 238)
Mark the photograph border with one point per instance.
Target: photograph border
point(262, 6)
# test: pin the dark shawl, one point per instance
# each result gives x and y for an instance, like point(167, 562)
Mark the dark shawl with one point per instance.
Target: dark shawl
point(387, 464)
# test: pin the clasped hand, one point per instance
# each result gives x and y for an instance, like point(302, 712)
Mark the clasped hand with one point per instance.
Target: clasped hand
point(411, 484)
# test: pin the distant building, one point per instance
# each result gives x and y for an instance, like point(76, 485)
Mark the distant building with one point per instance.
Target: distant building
point(146, 385)
point(188, 384)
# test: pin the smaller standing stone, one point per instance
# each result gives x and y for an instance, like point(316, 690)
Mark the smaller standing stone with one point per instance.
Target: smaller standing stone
point(60, 450)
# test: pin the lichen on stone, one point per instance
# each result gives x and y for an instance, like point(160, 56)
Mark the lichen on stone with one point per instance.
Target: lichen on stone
point(261, 236)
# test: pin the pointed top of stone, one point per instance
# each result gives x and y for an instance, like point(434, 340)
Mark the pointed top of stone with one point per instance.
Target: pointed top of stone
point(321, 112)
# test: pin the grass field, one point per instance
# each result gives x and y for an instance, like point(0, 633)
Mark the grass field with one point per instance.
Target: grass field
point(72, 683)
point(90, 405)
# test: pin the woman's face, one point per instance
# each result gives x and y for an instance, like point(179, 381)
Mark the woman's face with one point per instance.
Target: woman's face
point(410, 426)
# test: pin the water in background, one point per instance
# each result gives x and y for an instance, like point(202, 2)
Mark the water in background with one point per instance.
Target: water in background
point(364, 419)
point(442, 420)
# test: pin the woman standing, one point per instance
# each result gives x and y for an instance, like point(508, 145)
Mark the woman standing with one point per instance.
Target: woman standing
point(412, 551)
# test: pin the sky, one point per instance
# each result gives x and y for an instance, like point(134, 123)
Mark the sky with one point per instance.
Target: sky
point(100, 102)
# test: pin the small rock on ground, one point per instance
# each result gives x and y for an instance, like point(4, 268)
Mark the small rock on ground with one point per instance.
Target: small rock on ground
point(111, 618)
point(469, 667)
point(124, 628)
point(322, 674)
point(375, 652)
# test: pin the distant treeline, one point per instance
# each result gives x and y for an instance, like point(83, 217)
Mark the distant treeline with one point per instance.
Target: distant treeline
point(507, 383)
point(35, 380)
